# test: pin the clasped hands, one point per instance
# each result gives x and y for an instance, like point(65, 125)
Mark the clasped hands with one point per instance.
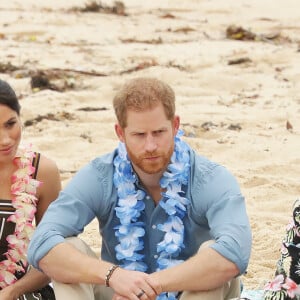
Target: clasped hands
point(134, 285)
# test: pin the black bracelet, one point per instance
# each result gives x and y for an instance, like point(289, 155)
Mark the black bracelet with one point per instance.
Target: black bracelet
point(109, 273)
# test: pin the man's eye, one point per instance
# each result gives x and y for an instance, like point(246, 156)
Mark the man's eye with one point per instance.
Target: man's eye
point(159, 131)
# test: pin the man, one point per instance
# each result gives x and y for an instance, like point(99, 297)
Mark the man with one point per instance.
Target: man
point(157, 203)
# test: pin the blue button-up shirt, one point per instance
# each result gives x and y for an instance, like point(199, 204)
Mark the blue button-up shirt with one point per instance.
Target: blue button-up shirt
point(216, 212)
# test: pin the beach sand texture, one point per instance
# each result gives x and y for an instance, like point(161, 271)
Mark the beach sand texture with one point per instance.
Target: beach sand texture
point(234, 66)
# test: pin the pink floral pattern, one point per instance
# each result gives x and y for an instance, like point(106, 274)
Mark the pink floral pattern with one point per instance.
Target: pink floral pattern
point(24, 200)
point(291, 287)
point(276, 284)
point(285, 286)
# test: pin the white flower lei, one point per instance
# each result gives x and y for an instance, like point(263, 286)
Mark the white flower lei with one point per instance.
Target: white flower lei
point(23, 191)
point(130, 232)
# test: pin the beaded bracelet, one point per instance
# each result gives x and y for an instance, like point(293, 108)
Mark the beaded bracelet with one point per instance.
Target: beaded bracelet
point(109, 273)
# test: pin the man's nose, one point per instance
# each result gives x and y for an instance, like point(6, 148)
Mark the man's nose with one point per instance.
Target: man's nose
point(151, 144)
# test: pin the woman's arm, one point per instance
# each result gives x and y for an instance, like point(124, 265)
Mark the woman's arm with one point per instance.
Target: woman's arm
point(48, 174)
point(33, 280)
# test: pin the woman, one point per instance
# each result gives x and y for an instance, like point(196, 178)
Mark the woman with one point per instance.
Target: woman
point(29, 182)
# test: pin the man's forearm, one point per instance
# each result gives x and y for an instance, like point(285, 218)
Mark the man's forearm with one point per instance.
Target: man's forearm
point(64, 263)
point(205, 271)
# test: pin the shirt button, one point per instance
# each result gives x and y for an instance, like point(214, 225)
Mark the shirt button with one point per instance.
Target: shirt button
point(153, 226)
point(155, 256)
point(148, 197)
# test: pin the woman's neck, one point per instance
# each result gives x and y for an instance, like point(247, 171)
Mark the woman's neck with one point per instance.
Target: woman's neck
point(6, 172)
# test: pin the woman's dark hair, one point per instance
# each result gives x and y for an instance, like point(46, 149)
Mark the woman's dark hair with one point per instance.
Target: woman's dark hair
point(8, 97)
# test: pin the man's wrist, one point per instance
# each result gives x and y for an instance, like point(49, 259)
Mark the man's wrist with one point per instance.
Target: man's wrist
point(157, 285)
point(109, 273)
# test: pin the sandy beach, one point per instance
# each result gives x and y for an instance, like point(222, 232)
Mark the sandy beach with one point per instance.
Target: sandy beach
point(234, 66)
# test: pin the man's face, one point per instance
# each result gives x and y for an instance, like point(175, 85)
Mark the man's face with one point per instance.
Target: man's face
point(149, 139)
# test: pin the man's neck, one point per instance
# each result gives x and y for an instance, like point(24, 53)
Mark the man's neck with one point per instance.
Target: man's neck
point(151, 183)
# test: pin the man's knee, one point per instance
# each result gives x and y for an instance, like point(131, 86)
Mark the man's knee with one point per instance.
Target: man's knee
point(206, 244)
point(80, 245)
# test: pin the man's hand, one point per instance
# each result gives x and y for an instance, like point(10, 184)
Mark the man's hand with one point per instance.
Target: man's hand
point(133, 285)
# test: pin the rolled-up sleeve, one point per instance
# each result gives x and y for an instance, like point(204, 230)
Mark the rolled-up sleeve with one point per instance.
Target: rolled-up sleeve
point(223, 205)
point(67, 216)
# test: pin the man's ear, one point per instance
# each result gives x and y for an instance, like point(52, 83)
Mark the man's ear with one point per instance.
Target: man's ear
point(176, 124)
point(119, 132)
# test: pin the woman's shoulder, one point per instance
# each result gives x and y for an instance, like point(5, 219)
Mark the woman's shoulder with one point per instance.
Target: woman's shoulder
point(46, 166)
point(48, 174)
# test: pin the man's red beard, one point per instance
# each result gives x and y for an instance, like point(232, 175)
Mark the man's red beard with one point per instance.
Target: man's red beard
point(148, 166)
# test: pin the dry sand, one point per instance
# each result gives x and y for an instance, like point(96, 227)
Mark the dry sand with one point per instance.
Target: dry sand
point(235, 97)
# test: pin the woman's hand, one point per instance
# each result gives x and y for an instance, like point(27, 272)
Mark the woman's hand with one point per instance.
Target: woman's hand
point(9, 293)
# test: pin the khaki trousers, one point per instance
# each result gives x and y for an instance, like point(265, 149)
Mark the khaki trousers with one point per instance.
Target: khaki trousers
point(229, 290)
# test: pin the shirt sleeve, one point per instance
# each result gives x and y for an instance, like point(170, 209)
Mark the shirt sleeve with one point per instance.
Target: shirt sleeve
point(75, 207)
point(219, 198)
